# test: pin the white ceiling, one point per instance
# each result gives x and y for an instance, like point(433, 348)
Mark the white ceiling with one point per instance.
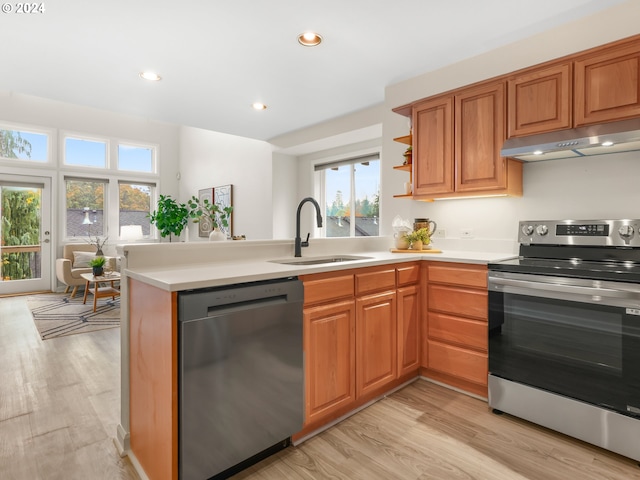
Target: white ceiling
point(217, 57)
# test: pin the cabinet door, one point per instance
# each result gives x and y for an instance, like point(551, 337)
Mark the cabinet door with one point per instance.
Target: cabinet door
point(329, 346)
point(433, 147)
point(540, 100)
point(479, 134)
point(408, 329)
point(376, 347)
point(607, 85)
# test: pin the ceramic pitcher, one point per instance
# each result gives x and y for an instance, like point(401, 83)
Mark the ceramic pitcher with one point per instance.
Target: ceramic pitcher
point(425, 223)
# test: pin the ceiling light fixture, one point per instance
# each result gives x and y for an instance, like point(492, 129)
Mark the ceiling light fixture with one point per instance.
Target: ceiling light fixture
point(608, 143)
point(259, 106)
point(150, 76)
point(309, 39)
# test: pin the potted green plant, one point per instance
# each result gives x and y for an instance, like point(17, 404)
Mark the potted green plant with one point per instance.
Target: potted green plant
point(213, 216)
point(408, 156)
point(419, 238)
point(170, 217)
point(98, 265)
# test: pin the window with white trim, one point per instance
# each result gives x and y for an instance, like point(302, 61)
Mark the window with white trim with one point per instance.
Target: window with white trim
point(134, 206)
point(85, 206)
point(24, 145)
point(110, 186)
point(349, 190)
point(85, 152)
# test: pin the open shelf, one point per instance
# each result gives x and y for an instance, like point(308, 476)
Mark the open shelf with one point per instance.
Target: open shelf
point(406, 167)
point(407, 139)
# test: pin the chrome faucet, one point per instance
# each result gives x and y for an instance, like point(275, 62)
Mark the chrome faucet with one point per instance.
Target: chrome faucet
point(299, 242)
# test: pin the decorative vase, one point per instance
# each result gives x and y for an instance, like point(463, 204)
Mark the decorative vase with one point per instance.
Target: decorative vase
point(98, 271)
point(217, 235)
point(401, 241)
point(417, 245)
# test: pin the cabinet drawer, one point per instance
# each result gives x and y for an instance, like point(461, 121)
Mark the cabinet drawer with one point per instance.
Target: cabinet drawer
point(461, 331)
point(458, 301)
point(407, 275)
point(459, 362)
point(375, 280)
point(466, 276)
point(317, 290)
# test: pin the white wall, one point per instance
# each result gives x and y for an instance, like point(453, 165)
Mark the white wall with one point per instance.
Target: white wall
point(209, 159)
point(578, 188)
point(285, 195)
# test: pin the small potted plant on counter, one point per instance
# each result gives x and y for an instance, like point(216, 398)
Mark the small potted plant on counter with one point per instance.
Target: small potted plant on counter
point(419, 238)
point(98, 265)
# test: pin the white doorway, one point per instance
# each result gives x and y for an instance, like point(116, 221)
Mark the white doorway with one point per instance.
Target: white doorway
point(25, 233)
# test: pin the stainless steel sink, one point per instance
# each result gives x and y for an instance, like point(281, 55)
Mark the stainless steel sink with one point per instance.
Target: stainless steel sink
point(320, 260)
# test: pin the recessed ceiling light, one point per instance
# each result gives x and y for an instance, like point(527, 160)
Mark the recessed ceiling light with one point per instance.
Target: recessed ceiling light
point(151, 76)
point(309, 39)
point(607, 143)
point(259, 106)
point(538, 152)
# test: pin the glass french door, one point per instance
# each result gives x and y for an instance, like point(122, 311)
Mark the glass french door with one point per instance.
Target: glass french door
point(25, 234)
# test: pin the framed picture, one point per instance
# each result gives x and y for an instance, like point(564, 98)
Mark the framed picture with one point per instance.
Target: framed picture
point(204, 226)
point(223, 197)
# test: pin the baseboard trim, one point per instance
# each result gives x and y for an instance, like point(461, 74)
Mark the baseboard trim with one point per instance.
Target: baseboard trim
point(137, 467)
point(469, 394)
point(121, 441)
point(350, 413)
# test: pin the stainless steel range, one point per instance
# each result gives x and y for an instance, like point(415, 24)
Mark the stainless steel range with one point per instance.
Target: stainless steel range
point(564, 330)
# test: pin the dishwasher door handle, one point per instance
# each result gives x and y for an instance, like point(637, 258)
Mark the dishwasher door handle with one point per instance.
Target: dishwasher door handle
point(246, 305)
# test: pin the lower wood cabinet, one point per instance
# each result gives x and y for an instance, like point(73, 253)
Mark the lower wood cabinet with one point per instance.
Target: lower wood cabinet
point(329, 346)
point(408, 318)
point(456, 344)
point(376, 344)
point(361, 337)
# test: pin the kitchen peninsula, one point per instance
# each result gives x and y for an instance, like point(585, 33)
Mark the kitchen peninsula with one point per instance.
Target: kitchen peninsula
point(150, 309)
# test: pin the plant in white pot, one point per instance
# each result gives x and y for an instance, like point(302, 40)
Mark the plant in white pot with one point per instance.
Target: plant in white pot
point(419, 238)
point(170, 218)
point(210, 215)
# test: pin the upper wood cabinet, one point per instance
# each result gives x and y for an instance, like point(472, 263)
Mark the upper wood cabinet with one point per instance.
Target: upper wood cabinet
point(457, 142)
point(607, 85)
point(433, 146)
point(540, 100)
point(479, 135)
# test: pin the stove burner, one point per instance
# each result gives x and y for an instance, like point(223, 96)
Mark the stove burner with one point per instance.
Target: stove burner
point(591, 249)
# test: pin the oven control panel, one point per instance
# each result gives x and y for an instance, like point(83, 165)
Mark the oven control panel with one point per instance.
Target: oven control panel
point(580, 232)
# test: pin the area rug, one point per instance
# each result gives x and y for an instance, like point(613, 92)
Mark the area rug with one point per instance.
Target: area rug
point(56, 314)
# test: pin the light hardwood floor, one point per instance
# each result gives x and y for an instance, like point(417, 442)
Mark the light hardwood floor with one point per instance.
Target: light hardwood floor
point(59, 407)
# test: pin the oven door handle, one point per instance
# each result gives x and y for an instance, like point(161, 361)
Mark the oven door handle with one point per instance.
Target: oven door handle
point(597, 295)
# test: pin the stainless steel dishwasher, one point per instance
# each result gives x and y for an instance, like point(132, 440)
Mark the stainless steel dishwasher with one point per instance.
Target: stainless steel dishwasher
point(241, 379)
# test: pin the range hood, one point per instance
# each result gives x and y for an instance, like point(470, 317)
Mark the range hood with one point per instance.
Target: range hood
point(601, 139)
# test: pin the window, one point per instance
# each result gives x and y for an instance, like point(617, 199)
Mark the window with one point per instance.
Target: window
point(85, 201)
point(24, 145)
point(136, 159)
point(134, 206)
point(350, 191)
point(85, 153)
point(114, 201)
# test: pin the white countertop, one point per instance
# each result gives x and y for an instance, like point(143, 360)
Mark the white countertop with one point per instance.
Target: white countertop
point(215, 273)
